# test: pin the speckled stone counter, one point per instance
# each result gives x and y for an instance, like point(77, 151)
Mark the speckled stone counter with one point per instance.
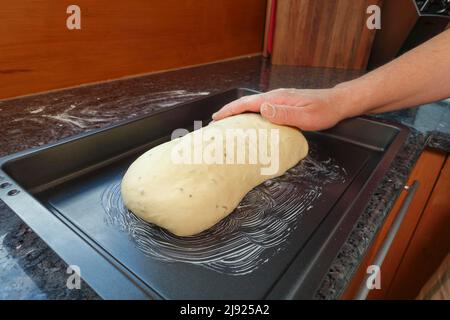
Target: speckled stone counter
point(29, 269)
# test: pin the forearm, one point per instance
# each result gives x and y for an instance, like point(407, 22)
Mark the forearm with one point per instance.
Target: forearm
point(419, 76)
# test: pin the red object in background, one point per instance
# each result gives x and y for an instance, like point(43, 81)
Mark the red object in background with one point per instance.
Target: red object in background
point(273, 11)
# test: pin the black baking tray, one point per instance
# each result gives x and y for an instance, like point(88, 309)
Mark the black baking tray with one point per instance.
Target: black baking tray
point(66, 192)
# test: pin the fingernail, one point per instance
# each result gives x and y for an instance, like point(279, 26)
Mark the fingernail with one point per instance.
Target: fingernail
point(268, 110)
point(214, 115)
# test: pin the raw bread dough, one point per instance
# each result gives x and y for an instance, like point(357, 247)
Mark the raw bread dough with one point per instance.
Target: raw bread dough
point(189, 198)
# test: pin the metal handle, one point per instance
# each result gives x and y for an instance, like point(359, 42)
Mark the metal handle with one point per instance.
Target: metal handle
point(381, 254)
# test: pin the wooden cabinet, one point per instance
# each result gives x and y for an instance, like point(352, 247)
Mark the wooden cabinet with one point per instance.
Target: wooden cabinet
point(398, 18)
point(422, 240)
point(429, 244)
point(403, 28)
point(323, 33)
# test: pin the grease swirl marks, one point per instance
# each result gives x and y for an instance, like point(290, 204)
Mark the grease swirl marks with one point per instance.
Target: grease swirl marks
point(249, 236)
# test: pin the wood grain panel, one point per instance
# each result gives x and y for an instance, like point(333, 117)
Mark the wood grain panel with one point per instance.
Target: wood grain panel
point(398, 19)
point(323, 33)
point(426, 170)
point(429, 245)
point(119, 38)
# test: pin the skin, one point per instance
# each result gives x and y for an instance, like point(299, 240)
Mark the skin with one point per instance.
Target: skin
point(422, 75)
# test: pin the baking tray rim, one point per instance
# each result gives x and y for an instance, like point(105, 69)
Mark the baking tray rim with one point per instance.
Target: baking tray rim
point(57, 233)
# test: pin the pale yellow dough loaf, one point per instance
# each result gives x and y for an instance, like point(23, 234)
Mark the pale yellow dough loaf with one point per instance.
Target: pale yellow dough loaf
point(187, 199)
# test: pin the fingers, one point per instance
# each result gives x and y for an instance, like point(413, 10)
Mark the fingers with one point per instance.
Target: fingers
point(248, 103)
point(299, 116)
point(281, 107)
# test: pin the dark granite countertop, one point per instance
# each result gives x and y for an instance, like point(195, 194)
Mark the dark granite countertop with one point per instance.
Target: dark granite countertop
point(29, 269)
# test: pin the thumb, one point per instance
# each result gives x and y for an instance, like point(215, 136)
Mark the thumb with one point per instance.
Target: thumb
point(282, 114)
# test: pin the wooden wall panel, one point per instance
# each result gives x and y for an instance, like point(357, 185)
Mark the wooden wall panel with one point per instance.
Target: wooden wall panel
point(323, 33)
point(119, 38)
point(395, 29)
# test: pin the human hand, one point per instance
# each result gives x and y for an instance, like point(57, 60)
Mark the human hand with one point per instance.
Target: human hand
point(312, 109)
